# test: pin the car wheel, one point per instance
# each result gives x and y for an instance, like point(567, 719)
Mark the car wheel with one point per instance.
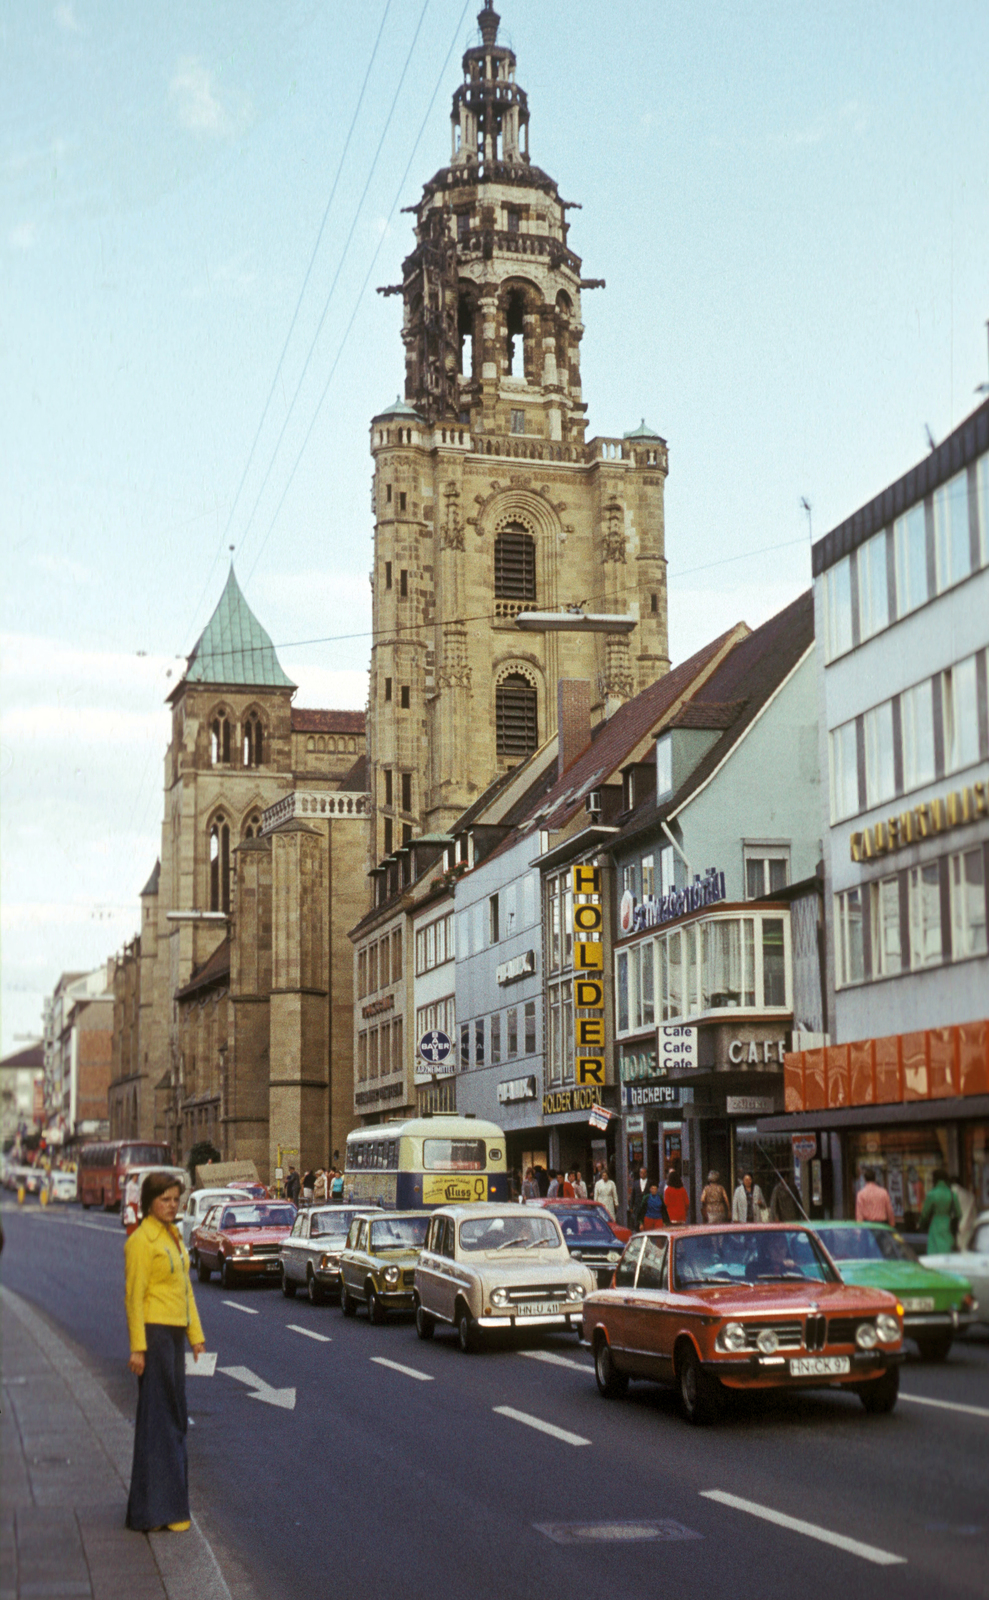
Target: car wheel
point(288, 1287)
point(467, 1336)
point(375, 1307)
point(880, 1394)
point(425, 1324)
point(226, 1275)
point(348, 1305)
point(611, 1382)
point(203, 1272)
point(935, 1346)
point(313, 1290)
point(699, 1393)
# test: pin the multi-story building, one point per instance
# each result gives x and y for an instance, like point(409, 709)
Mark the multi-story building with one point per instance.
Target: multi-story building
point(488, 499)
point(902, 608)
point(78, 1055)
point(22, 1075)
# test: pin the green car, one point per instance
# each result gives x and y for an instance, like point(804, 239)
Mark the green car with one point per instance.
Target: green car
point(377, 1267)
point(935, 1304)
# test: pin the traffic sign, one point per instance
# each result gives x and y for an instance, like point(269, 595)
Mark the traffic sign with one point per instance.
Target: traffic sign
point(804, 1146)
point(434, 1047)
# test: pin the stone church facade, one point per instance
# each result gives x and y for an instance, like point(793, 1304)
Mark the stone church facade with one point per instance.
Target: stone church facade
point(489, 500)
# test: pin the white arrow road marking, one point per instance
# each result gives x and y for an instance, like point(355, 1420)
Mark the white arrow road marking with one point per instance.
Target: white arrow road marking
point(396, 1366)
point(262, 1391)
point(542, 1427)
point(308, 1333)
point(557, 1361)
point(946, 1405)
point(854, 1547)
point(249, 1311)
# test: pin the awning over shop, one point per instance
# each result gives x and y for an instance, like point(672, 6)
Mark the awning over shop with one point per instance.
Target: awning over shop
point(956, 1109)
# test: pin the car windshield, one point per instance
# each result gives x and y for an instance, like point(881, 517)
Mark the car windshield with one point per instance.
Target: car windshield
point(742, 1256)
point(865, 1244)
point(258, 1217)
point(504, 1233)
point(399, 1233)
point(330, 1224)
point(584, 1227)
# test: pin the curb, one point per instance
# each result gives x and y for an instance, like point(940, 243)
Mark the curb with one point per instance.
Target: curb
point(187, 1566)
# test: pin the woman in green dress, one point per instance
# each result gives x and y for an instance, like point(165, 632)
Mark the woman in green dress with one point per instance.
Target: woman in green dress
point(940, 1216)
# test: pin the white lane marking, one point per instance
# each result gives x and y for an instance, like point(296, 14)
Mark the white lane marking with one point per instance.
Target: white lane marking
point(541, 1427)
point(261, 1390)
point(854, 1547)
point(249, 1311)
point(557, 1361)
point(396, 1366)
point(946, 1405)
point(308, 1333)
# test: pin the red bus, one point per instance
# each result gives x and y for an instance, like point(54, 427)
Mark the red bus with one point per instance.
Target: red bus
point(102, 1167)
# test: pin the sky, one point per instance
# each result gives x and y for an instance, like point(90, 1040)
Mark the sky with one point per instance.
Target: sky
point(789, 205)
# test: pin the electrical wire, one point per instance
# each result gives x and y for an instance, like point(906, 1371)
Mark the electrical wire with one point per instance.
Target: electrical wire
point(360, 295)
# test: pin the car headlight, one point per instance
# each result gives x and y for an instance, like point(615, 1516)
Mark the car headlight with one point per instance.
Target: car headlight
point(242, 1249)
point(576, 1291)
point(768, 1341)
point(391, 1275)
point(866, 1336)
point(578, 1255)
point(499, 1297)
point(328, 1262)
point(614, 1255)
point(888, 1328)
point(732, 1336)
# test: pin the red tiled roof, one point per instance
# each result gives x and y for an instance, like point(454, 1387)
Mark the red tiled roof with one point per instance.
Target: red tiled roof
point(213, 970)
point(708, 714)
point(305, 720)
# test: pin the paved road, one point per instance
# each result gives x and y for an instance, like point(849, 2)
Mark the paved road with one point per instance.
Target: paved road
point(413, 1469)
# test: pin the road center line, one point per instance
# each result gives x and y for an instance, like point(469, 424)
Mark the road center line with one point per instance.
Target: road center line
point(396, 1366)
point(541, 1427)
point(946, 1405)
point(557, 1361)
point(854, 1547)
point(308, 1333)
point(249, 1311)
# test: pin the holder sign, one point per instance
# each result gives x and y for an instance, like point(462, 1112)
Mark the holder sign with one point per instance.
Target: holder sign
point(588, 984)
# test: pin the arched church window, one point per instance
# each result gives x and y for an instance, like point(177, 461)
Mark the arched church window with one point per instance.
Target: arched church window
point(516, 720)
point(321, 745)
point(515, 563)
point(311, 744)
point(515, 329)
point(220, 739)
point(219, 864)
point(253, 741)
point(253, 828)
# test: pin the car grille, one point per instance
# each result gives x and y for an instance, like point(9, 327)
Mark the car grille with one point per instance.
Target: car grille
point(539, 1291)
point(842, 1330)
point(789, 1334)
point(409, 1277)
point(265, 1249)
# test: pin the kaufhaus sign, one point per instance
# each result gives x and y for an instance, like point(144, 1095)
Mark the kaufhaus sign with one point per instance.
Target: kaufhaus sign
point(634, 916)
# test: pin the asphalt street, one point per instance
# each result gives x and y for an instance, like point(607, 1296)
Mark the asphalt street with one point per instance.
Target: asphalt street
point(332, 1454)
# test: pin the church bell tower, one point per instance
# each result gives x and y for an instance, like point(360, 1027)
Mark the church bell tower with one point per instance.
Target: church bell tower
point(489, 501)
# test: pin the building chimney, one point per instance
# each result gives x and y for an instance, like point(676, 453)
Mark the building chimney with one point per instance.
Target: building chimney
point(573, 719)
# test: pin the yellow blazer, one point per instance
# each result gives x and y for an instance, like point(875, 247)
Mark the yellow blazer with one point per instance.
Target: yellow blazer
point(158, 1288)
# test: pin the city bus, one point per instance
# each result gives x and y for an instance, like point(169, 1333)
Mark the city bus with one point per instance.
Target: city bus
point(431, 1161)
point(102, 1167)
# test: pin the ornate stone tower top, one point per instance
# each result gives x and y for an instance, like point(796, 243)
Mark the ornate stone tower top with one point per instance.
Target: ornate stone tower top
point(491, 292)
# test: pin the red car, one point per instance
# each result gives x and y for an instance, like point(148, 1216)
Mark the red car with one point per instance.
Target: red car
point(747, 1307)
point(255, 1190)
point(242, 1240)
point(624, 1234)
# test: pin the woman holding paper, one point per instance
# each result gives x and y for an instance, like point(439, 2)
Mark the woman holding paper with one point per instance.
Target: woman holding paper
point(161, 1315)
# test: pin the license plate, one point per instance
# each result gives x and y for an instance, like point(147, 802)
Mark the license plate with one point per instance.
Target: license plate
point(918, 1303)
point(550, 1310)
point(819, 1366)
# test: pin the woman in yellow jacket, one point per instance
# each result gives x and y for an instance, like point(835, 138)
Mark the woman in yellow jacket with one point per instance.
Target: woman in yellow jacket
point(161, 1315)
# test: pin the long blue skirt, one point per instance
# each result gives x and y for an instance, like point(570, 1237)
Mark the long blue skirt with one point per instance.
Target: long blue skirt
point(159, 1485)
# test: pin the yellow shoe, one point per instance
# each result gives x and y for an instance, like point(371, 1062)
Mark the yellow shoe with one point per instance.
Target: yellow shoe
point(178, 1527)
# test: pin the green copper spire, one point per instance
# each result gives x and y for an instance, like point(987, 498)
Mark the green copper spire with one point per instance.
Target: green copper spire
point(233, 648)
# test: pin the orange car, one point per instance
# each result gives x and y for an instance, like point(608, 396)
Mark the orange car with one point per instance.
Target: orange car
point(764, 1307)
point(242, 1239)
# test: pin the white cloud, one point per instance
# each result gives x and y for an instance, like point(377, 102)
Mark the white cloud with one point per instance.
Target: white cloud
point(199, 104)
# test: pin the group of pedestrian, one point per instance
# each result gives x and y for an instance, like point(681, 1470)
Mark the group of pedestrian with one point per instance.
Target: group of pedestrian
point(315, 1187)
point(659, 1206)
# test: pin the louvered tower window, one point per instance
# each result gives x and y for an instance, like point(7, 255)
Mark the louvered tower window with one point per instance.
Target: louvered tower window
point(515, 717)
point(515, 564)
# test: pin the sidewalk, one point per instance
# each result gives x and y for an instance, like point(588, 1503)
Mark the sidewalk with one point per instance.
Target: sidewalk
point(65, 1458)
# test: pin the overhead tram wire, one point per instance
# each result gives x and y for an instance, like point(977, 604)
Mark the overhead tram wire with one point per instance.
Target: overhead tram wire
point(336, 279)
point(298, 306)
point(360, 295)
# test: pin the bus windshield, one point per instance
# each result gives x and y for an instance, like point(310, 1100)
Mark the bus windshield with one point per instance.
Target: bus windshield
point(144, 1155)
point(453, 1155)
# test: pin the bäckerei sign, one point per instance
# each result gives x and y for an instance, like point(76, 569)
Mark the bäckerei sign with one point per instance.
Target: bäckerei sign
point(634, 916)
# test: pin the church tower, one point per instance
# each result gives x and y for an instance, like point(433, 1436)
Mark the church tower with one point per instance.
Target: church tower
point(489, 501)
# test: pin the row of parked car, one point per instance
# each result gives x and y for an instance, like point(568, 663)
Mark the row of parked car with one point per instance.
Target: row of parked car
point(708, 1309)
point(59, 1184)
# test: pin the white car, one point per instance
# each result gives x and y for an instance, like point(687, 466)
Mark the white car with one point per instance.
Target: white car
point(197, 1205)
point(972, 1264)
point(488, 1266)
point(62, 1185)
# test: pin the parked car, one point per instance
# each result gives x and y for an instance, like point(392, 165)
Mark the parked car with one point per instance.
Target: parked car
point(242, 1239)
point(196, 1207)
point(35, 1179)
point(62, 1185)
point(973, 1263)
point(763, 1307)
point(488, 1266)
point(590, 1238)
point(623, 1235)
point(130, 1191)
point(936, 1302)
point(249, 1186)
point(310, 1256)
point(377, 1267)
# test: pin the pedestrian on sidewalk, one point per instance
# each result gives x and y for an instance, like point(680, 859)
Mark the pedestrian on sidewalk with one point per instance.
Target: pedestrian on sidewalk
point(715, 1206)
point(747, 1203)
point(606, 1194)
point(293, 1183)
point(940, 1216)
point(872, 1203)
point(161, 1315)
point(676, 1199)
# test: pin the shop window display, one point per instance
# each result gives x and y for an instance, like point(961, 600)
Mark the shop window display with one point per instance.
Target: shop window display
point(904, 1160)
